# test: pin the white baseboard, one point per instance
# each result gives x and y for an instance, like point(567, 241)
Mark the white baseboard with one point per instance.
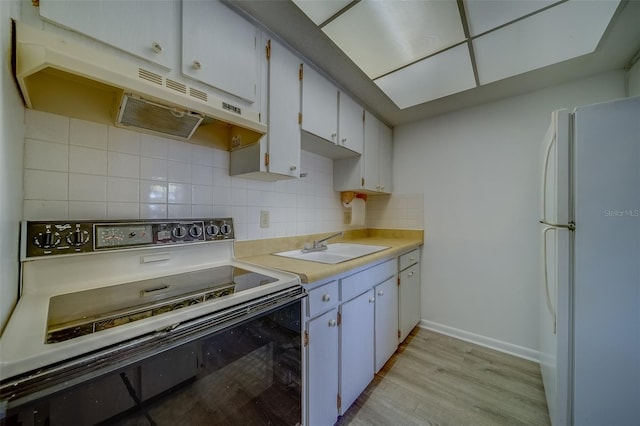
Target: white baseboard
point(478, 339)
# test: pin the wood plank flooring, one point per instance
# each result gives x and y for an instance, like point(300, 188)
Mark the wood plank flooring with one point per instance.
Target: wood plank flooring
point(434, 379)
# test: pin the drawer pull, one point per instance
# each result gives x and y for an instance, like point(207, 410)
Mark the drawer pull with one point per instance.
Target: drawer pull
point(326, 298)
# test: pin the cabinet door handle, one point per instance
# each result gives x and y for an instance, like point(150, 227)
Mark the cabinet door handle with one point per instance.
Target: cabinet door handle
point(372, 299)
point(156, 47)
point(326, 297)
point(333, 135)
point(410, 274)
point(196, 65)
point(381, 293)
point(332, 323)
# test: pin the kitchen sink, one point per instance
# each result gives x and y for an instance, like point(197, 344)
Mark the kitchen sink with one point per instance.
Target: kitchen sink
point(335, 253)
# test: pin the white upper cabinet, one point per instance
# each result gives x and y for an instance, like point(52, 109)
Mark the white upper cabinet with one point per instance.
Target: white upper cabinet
point(219, 48)
point(319, 105)
point(284, 106)
point(331, 120)
point(149, 30)
point(372, 171)
point(277, 155)
point(350, 123)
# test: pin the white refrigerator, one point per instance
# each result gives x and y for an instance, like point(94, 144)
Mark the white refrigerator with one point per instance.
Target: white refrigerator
point(590, 231)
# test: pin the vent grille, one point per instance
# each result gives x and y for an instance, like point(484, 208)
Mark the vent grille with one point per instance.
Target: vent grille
point(143, 115)
point(198, 94)
point(149, 76)
point(178, 87)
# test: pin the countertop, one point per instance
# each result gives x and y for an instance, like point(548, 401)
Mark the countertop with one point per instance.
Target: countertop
point(258, 252)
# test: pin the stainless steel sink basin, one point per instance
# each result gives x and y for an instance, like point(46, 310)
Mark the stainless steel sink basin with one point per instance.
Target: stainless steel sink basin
point(335, 253)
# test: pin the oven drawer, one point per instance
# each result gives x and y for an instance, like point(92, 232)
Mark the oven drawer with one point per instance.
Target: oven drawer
point(323, 298)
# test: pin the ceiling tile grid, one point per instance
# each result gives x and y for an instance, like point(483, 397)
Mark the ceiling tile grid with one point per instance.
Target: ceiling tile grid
point(416, 51)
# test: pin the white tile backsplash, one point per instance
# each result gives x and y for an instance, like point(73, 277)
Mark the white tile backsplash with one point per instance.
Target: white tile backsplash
point(88, 134)
point(87, 160)
point(114, 173)
point(47, 127)
point(124, 165)
point(123, 140)
point(153, 168)
point(43, 155)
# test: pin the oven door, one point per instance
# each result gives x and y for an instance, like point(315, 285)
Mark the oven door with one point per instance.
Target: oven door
point(239, 366)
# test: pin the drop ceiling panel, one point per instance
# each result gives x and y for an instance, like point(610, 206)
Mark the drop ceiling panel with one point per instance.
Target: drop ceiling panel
point(320, 11)
point(485, 15)
point(563, 32)
point(381, 36)
point(432, 78)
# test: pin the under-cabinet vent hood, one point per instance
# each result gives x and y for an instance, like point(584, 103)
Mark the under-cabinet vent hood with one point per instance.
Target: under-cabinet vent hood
point(63, 76)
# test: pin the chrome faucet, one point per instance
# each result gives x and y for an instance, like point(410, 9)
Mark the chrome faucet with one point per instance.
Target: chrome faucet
point(319, 245)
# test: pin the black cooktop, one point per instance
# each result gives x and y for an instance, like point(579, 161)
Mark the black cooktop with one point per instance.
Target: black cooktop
point(76, 314)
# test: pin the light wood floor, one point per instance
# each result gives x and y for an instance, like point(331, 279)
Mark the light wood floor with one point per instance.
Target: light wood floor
point(438, 380)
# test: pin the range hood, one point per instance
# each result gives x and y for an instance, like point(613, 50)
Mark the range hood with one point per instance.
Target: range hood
point(62, 76)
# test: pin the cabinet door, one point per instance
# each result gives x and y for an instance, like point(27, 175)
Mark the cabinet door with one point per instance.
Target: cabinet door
point(219, 48)
point(284, 106)
point(350, 123)
point(409, 306)
point(371, 153)
point(385, 151)
point(386, 319)
point(319, 105)
point(148, 30)
point(356, 348)
point(322, 365)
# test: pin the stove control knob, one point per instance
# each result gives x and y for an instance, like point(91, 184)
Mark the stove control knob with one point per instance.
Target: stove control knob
point(78, 237)
point(212, 230)
point(47, 239)
point(179, 232)
point(225, 229)
point(195, 231)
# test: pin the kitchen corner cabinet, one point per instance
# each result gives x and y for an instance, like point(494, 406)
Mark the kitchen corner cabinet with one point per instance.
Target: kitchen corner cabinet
point(386, 321)
point(219, 48)
point(372, 171)
point(148, 31)
point(409, 292)
point(277, 155)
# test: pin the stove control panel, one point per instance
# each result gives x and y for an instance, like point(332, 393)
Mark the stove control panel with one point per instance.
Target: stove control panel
point(69, 237)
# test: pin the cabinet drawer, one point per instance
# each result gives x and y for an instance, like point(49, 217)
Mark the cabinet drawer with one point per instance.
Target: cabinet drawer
point(362, 281)
point(323, 298)
point(409, 259)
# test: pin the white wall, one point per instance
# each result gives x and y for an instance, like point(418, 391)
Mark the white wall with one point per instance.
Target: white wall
point(479, 171)
point(11, 142)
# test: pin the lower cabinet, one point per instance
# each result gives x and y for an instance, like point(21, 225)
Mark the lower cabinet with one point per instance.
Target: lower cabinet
point(350, 333)
point(409, 292)
point(386, 321)
point(322, 369)
point(356, 347)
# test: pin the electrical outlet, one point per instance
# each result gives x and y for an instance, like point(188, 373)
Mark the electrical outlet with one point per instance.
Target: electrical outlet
point(347, 217)
point(264, 218)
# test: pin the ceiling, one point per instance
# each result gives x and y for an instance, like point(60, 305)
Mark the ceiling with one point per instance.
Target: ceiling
point(404, 65)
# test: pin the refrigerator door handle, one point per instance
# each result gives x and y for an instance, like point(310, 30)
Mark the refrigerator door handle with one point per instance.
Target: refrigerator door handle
point(550, 307)
point(571, 226)
point(545, 167)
